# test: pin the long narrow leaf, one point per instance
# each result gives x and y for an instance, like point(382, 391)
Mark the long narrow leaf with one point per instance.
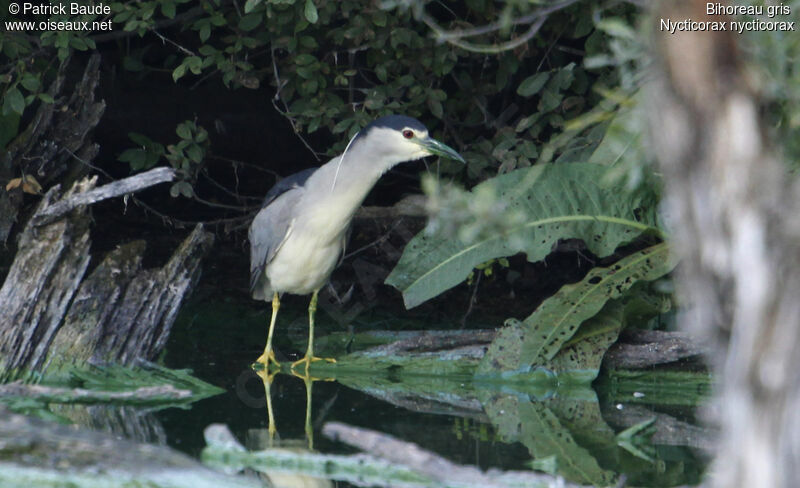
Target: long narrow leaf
point(560, 201)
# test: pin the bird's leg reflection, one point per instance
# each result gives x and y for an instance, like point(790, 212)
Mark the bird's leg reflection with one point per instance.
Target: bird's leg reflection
point(309, 357)
point(267, 377)
point(308, 381)
point(309, 431)
point(269, 354)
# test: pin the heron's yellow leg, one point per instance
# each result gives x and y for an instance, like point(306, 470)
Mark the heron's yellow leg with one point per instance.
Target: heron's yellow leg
point(269, 354)
point(309, 357)
point(267, 378)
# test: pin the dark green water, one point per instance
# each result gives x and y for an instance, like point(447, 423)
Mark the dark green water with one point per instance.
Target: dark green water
point(579, 434)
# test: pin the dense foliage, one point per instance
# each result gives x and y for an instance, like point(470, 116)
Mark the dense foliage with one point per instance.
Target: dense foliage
point(503, 96)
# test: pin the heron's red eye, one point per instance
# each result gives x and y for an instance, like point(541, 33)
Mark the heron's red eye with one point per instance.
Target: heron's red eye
point(408, 133)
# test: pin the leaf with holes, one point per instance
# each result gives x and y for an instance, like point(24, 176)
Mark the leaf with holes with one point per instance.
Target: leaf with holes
point(565, 339)
point(557, 319)
point(553, 201)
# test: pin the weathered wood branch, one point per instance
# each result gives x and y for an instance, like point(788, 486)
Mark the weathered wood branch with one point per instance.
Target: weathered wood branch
point(117, 188)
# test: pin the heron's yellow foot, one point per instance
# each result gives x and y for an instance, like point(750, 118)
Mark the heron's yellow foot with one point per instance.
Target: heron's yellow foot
point(268, 357)
point(310, 359)
point(307, 361)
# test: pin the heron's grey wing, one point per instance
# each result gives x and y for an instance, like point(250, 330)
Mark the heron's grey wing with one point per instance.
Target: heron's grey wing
point(268, 232)
point(271, 226)
point(296, 180)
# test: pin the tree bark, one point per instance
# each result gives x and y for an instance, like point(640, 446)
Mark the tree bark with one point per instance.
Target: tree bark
point(119, 313)
point(737, 228)
point(56, 134)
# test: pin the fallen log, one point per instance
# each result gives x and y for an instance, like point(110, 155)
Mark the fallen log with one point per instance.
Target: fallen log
point(638, 348)
point(635, 349)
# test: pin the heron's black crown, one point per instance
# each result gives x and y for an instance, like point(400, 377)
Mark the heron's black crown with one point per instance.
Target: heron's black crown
point(396, 122)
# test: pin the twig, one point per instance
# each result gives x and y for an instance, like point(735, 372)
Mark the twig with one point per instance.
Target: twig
point(236, 162)
point(223, 188)
point(472, 300)
point(181, 18)
point(285, 111)
point(380, 240)
point(238, 208)
point(495, 26)
point(455, 37)
point(486, 48)
point(166, 39)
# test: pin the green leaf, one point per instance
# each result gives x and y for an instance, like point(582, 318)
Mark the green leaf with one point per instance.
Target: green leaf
point(637, 439)
point(558, 318)
point(552, 201)
point(139, 139)
point(250, 21)
point(310, 12)
point(46, 98)
point(9, 126)
point(568, 335)
point(135, 157)
point(183, 130)
point(379, 18)
point(580, 359)
point(168, 8)
point(544, 434)
point(532, 84)
point(195, 153)
point(622, 140)
point(249, 5)
point(549, 101)
point(435, 107)
point(178, 72)
point(304, 59)
point(205, 32)
point(617, 27)
point(14, 100)
point(195, 64)
point(78, 43)
point(30, 82)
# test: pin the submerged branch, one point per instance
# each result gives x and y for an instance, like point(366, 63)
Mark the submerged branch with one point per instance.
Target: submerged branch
point(80, 395)
point(432, 465)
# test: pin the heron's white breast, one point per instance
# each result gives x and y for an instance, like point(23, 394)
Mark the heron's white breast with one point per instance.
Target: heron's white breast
point(310, 253)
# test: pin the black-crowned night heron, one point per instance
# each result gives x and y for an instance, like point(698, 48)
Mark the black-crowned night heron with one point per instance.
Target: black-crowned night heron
point(298, 236)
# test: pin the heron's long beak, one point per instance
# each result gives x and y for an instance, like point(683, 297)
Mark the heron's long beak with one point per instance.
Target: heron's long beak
point(440, 149)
